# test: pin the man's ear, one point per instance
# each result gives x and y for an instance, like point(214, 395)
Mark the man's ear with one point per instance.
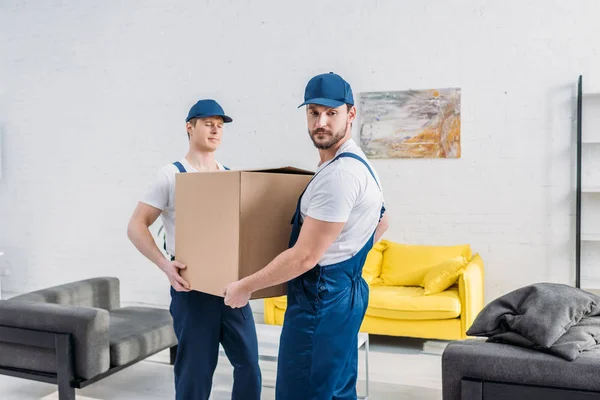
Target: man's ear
point(352, 114)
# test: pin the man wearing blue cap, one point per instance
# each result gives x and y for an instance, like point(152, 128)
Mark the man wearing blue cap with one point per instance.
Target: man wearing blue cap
point(201, 321)
point(339, 216)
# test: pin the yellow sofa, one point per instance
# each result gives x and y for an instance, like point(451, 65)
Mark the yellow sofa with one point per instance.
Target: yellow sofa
point(422, 291)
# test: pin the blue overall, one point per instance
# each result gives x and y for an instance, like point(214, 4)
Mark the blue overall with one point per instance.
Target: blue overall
point(201, 321)
point(318, 353)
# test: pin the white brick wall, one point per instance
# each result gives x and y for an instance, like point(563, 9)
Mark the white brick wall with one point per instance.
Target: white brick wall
point(93, 96)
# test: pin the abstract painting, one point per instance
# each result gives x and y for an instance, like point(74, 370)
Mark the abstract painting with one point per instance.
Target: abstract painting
point(410, 124)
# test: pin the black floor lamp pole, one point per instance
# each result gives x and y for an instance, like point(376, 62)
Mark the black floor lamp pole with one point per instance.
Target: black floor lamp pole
point(578, 199)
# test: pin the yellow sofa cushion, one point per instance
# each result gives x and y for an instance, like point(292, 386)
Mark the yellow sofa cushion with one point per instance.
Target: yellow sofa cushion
point(407, 264)
point(372, 267)
point(405, 302)
point(443, 275)
point(410, 302)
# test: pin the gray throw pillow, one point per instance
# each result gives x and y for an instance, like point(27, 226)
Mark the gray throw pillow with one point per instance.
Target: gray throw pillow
point(541, 313)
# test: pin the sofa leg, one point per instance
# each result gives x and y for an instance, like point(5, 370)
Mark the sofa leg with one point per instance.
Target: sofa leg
point(64, 367)
point(66, 393)
point(173, 351)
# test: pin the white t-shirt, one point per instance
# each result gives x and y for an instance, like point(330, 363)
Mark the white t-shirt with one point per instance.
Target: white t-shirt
point(161, 195)
point(345, 191)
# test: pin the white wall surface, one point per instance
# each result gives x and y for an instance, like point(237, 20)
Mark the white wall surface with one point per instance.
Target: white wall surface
point(93, 97)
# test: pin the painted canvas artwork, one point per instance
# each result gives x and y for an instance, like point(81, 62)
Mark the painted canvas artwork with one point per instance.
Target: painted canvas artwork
point(410, 124)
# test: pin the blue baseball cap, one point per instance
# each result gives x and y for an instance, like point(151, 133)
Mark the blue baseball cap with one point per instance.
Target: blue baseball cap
point(328, 90)
point(207, 108)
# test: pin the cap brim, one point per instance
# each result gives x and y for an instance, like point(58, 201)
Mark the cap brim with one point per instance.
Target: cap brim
point(323, 102)
point(226, 119)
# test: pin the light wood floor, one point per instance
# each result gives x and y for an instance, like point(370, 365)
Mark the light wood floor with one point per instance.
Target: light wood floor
point(400, 368)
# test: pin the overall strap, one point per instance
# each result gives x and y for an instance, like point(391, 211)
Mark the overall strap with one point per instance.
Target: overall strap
point(341, 155)
point(359, 158)
point(356, 157)
point(296, 217)
point(179, 166)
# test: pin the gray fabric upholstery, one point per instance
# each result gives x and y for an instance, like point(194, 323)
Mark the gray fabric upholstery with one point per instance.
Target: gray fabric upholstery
point(89, 327)
point(550, 317)
point(512, 364)
point(136, 332)
point(104, 334)
point(27, 357)
point(100, 292)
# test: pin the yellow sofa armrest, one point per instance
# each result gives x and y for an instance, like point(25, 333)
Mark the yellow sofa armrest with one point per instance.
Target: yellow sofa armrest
point(470, 290)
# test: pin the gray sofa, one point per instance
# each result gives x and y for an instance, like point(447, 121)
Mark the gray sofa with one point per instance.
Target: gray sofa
point(474, 369)
point(75, 334)
point(541, 341)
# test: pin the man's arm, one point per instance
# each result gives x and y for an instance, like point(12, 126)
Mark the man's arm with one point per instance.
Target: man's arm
point(138, 232)
point(315, 238)
point(381, 227)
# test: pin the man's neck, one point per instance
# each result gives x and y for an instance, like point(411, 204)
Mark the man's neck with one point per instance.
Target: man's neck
point(328, 154)
point(202, 160)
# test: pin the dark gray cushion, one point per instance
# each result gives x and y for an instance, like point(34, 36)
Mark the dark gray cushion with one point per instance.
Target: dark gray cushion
point(550, 317)
point(89, 327)
point(579, 338)
point(542, 312)
point(136, 332)
point(507, 363)
point(102, 292)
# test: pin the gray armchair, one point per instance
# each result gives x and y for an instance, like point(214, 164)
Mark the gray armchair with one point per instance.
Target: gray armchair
point(75, 334)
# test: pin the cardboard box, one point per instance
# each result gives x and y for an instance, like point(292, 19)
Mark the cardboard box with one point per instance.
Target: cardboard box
point(230, 224)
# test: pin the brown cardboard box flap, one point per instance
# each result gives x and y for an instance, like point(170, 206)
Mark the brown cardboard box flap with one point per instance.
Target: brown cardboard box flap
point(282, 170)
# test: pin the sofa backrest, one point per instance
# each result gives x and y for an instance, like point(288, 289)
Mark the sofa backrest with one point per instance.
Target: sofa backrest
point(397, 264)
point(101, 292)
point(372, 267)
